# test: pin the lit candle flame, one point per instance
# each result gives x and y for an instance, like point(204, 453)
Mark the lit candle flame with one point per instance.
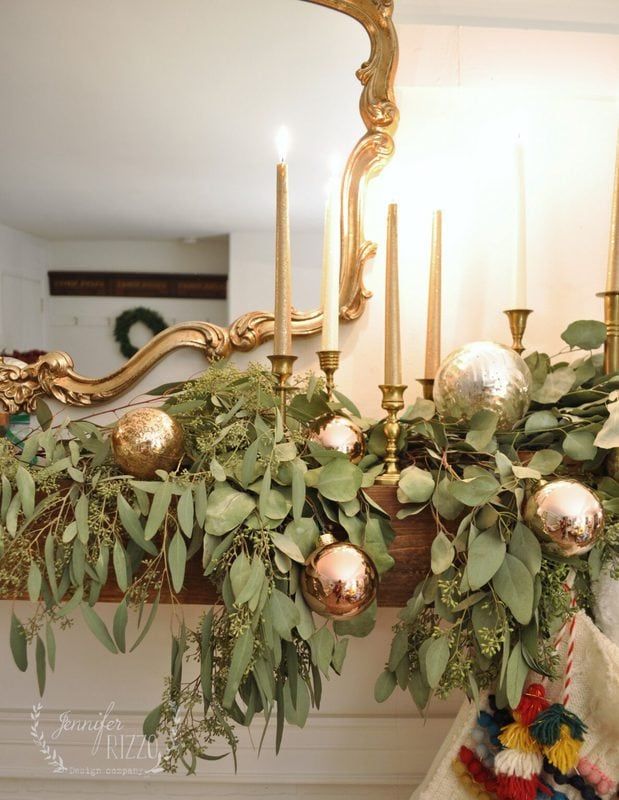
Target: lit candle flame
point(282, 142)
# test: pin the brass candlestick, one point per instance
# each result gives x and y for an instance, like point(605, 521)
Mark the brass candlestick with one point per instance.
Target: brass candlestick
point(518, 318)
point(282, 368)
point(611, 318)
point(428, 387)
point(329, 361)
point(393, 402)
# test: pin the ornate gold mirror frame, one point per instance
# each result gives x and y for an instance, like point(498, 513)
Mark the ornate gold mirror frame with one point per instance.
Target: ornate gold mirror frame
point(53, 374)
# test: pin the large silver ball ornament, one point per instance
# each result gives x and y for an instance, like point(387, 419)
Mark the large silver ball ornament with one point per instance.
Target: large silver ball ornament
point(566, 516)
point(339, 580)
point(335, 432)
point(483, 376)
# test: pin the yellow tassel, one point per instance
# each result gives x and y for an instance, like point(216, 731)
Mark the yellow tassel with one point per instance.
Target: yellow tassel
point(565, 752)
point(516, 736)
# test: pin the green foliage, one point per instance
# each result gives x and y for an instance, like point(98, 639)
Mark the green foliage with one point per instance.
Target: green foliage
point(250, 500)
point(489, 610)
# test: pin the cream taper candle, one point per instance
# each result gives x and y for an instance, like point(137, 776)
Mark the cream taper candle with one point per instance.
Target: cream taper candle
point(393, 355)
point(330, 290)
point(612, 276)
point(520, 273)
point(282, 342)
point(433, 329)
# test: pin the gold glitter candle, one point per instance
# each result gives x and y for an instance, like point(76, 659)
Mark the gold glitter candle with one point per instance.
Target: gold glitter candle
point(433, 331)
point(612, 276)
point(282, 344)
point(393, 355)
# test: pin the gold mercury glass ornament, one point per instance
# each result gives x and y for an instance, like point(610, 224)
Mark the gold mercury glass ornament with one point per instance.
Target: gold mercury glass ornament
point(484, 376)
point(566, 516)
point(339, 579)
point(145, 440)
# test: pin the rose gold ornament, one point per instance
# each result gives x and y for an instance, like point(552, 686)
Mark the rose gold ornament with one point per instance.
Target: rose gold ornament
point(339, 580)
point(145, 440)
point(335, 432)
point(566, 516)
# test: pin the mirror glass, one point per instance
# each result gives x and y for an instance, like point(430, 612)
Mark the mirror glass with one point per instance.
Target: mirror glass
point(137, 161)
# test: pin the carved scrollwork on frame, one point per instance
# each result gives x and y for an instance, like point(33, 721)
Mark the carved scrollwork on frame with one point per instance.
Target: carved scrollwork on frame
point(53, 375)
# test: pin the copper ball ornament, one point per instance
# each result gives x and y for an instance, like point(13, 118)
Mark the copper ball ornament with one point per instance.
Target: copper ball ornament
point(145, 440)
point(335, 432)
point(339, 580)
point(566, 516)
point(483, 376)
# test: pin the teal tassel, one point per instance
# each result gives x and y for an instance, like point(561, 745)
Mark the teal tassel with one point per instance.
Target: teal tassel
point(547, 727)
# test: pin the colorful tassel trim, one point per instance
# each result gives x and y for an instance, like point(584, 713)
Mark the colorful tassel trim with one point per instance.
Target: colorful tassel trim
point(547, 728)
point(564, 754)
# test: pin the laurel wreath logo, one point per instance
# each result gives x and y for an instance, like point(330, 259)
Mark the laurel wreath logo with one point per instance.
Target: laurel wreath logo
point(50, 754)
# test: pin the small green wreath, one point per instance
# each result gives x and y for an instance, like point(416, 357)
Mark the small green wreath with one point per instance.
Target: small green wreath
point(125, 321)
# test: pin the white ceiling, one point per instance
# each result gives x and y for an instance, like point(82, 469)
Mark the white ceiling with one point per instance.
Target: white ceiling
point(582, 15)
point(156, 118)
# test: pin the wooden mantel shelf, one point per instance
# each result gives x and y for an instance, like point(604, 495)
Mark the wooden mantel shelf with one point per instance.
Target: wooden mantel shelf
point(410, 549)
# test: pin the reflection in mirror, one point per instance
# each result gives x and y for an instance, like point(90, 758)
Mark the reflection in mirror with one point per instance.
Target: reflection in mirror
point(143, 144)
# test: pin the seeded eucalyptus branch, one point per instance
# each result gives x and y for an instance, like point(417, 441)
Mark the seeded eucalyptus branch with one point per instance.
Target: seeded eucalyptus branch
point(251, 500)
point(491, 607)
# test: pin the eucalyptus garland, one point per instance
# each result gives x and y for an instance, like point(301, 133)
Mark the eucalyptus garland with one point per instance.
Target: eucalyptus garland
point(491, 607)
point(250, 500)
point(125, 321)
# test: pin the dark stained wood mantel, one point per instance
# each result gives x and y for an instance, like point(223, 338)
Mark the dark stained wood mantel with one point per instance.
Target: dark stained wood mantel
point(410, 549)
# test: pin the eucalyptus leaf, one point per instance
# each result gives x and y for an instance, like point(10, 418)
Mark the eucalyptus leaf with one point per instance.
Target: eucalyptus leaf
point(475, 491)
point(415, 485)
point(517, 671)
point(514, 585)
point(241, 656)
point(119, 625)
point(26, 489)
point(226, 509)
point(540, 421)
point(98, 627)
point(579, 445)
point(384, 687)
point(18, 643)
point(486, 554)
point(131, 523)
point(557, 383)
point(340, 480)
point(587, 334)
point(545, 461)
point(177, 558)
point(525, 546)
point(185, 512)
point(158, 510)
point(442, 553)
point(436, 660)
point(34, 581)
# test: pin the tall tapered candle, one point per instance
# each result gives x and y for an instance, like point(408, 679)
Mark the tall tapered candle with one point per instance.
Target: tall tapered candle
point(393, 355)
point(612, 276)
point(520, 273)
point(282, 343)
point(433, 331)
point(330, 291)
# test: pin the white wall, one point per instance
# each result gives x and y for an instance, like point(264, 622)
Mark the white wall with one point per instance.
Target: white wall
point(23, 266)
point(354, 743)
point(83, 326)
point(252, 259)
